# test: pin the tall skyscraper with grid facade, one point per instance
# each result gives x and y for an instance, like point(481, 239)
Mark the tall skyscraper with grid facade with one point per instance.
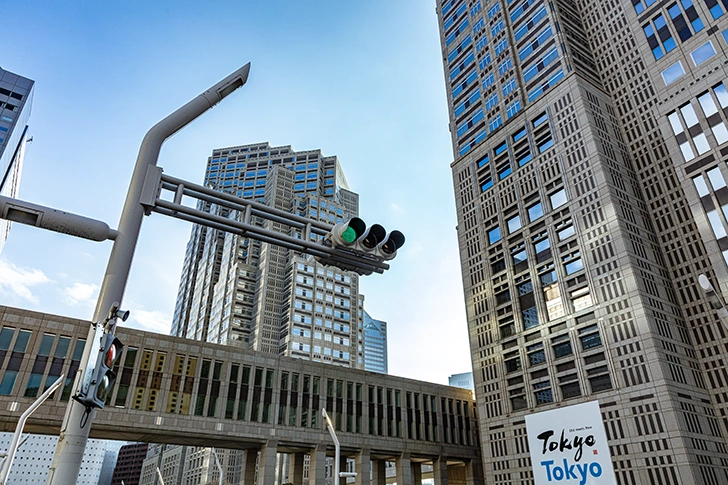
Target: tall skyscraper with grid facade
point(16, 99)
point(590, 181)
point(238, 291)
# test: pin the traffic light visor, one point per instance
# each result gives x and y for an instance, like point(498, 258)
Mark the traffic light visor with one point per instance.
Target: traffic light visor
point(394, 241)
point(112, 353)
point(348, 232)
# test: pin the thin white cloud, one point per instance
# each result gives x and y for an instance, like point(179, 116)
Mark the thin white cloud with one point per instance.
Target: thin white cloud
point(155, 320)
point(80, 294)
point(398, 209)
point(17, 281)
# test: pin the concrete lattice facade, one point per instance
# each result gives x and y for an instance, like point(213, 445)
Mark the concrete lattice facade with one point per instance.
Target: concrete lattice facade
point(589, 182)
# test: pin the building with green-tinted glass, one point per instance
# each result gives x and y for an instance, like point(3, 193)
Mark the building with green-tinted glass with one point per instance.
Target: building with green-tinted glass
point(589, 143)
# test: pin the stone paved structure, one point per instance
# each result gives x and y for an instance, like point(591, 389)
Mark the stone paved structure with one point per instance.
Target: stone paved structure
point(177, 391)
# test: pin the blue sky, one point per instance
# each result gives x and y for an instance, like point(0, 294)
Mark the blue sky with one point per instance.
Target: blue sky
point(359, 80)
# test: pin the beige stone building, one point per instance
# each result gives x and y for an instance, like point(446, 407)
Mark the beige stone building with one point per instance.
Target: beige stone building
point(590, 143)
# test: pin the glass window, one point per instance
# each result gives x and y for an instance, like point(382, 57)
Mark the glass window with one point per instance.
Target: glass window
point(570, 390)
point(503, 297)
point(558, 198)
point(543, 117)
point(8, 382)
point(541, 245)
point(21, 344)
point(544, 145)
point(6, 335)
point(716, 178)
point(562, 348)
point(708, 105)
point(514, 224)
point(535, 211)
point(45, 344)
point(544, 397)
point(701, 186)
point(520, 133)
point(573, 266)
point(687, 151)
point(566, 232)
point(600, 383)
point(504, 172)
point(691, 119)
point(525, 288)
point(673, 73)
point(701, 143)
point(519, 256)
point(590, 341)
point(581, 299)
point(536, 354)
point(675, 123)
point(530, 320)
point(716, 224)
point(721, 94)
point(494, 235)
point(513, 365)
point(720, 132)
point(703, 53)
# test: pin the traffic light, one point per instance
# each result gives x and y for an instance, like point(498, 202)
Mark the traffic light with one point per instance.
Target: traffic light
point(102, 375)
point(387, 248)
point(371, 241)
point(347, 233)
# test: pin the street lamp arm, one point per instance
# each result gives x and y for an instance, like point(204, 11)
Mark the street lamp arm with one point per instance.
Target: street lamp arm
point(117, 271)
point(23, 212)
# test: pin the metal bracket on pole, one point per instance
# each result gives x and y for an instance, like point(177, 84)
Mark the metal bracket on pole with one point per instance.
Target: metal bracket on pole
point(309, 230)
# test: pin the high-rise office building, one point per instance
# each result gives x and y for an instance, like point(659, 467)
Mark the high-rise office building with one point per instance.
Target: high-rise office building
point(374, 344)
point(238, 291)
point(590, 146)
point(128, 467)
point(16, 98)
point(464, 380)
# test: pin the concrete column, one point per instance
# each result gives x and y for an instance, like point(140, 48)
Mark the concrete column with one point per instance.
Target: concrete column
point(267, 463)
point(317, 466)
point(439, 469)
point(363, 468)
point(404, 470)
point(416, 472)
point(379, 472)
point(250, 459)
point(474, 472)
point(296, 468)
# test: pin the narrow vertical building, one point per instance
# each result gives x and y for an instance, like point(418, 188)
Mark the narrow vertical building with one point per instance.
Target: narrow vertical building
point(16, 99)
point(589, 174)
point(375, 344)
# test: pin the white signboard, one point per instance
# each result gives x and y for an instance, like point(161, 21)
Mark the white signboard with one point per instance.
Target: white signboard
point(569, 446)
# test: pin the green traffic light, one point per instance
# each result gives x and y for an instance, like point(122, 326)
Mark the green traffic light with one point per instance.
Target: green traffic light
point(349, 235)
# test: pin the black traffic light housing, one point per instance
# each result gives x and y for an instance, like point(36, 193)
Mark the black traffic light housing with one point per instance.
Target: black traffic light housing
point(372, 241)
point(103, 376)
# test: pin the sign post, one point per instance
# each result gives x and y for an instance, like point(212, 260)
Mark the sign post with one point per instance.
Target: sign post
point(569, 446)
